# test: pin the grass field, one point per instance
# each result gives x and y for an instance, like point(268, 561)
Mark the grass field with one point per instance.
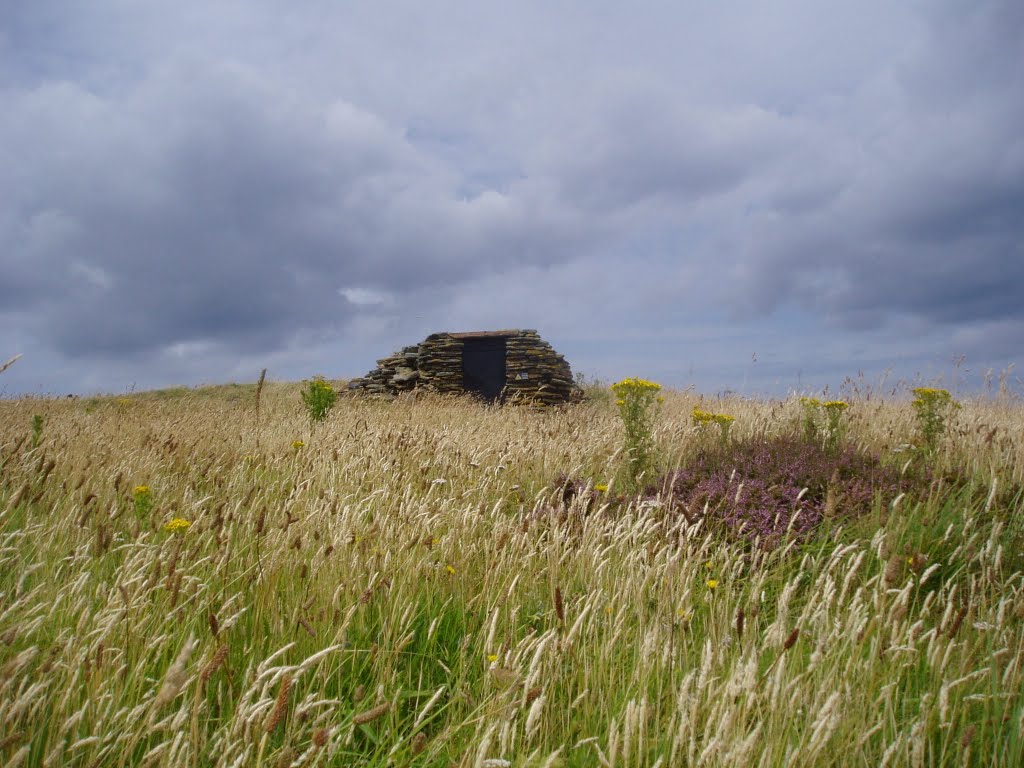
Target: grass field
point(406, 584)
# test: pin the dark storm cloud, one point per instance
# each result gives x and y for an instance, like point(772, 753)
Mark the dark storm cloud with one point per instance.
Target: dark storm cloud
point(926, 220)
point(640, 146)
point(208, 206)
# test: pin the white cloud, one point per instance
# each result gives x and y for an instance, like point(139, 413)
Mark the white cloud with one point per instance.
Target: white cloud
point(365, 297)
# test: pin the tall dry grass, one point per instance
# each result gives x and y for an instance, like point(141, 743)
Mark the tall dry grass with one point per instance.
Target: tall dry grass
point(391, 593)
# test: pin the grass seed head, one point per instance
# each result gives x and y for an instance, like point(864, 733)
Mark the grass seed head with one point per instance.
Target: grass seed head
point(369, 715)
point(176, 677)
point(280, 705)
point(791, 640)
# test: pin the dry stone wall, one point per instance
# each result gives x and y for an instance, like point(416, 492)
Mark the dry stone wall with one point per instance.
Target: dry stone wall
point(534, 371)
point(440, 363)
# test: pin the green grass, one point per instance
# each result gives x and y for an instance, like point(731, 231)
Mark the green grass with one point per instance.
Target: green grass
point(401, 570)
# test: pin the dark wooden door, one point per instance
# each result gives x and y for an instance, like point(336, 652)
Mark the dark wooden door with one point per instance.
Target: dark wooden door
point(483, 367)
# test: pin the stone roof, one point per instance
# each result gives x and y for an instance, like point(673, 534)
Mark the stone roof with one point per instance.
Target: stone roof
point(488, 334)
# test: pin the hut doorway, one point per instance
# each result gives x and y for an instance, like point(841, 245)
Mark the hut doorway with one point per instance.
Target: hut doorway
point(483, 367)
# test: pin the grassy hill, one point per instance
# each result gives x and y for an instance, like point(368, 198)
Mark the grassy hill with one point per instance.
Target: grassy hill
point(428, 581)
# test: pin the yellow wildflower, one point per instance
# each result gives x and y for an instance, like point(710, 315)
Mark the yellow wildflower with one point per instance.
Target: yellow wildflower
point(451, 569)
point(178, 524)
point(706, 417)
point(712, 583)
point(297, 444)
point(601, 488)
point(635, 384)
point(142, 490)
point(702, 417)
point(932, 397)
point(492, 657)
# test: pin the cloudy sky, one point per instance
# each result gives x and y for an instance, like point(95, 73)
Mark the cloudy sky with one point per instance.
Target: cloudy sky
point(755, 195)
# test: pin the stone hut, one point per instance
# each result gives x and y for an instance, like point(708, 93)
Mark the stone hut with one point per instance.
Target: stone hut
point(498, 366)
